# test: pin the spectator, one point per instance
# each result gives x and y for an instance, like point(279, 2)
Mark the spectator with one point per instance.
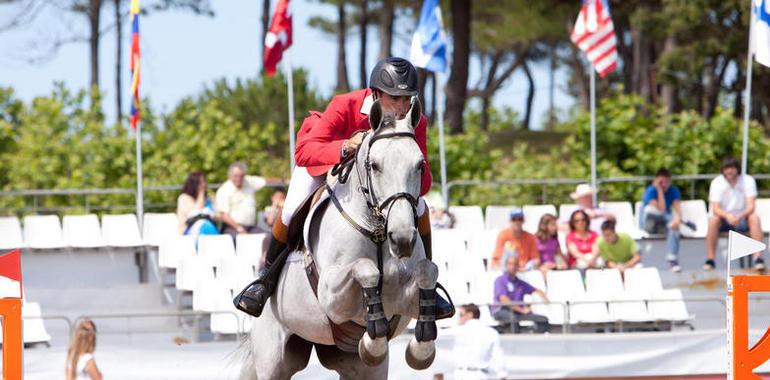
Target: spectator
point(517, 242)
point(618, 250)
point(194, 210)
point(440, 217)
point(236, 205)
point(509, 290)
point(584, 197)
point(662, 214)
point(580, 242)
point(276, 205)
point(81, 364)
point(477, 351)
point(731, 197)
point(551, 256)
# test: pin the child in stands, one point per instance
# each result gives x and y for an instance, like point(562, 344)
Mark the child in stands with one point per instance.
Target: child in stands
point(551, 256)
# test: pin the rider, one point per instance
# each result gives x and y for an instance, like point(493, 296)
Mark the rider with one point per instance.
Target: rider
point(326, 139)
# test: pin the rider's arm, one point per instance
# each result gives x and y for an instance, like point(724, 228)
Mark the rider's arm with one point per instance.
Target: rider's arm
point(420, 135)
point(320, 145)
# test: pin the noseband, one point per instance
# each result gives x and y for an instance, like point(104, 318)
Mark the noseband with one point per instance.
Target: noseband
point(379, 232)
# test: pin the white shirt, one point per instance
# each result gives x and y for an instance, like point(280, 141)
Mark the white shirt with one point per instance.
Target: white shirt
point(477, 352)
point(240, 203)
point(80, 369)
point(732, 199)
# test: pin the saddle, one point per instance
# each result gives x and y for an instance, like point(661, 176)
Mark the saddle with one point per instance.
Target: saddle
point(346, 335)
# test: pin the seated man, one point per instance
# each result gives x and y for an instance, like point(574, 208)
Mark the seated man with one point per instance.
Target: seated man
point(662, 214)
point(514, 241)
point(618, 250)
point(584, 198)
point(477, 351)
point(508, 290)
point(731, 198)
point(236, 205)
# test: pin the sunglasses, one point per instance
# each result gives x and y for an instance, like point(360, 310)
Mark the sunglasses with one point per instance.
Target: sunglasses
point(517, 219)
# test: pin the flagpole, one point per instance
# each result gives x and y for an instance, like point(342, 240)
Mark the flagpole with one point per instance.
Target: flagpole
point(442, 153)
point(747, 98)
point(290, 85)
point(593, 134)
point(139, 186)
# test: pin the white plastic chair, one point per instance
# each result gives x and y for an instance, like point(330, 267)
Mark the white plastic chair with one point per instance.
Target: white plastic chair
point(236, 272)
point(668, 305)
point(43, 232)
point(482, 245)
point(207, 292)
point(566, 210)
point(191, 268)
point(533, 213)
point(695, 211)
point(629, 307)
point(497, 217)
point(82, 231)
point(590, 308)
point(534, 278)
point(643, 280)
point(173, 250)
point(213, 249)
point(467, 266)
point(158, 227)
point(467, 218)
point(605, 283)
point(249, 247)
point(564, 285)
point(121, 230)
point(33, 329)
point(227, 323)
point(447, 244)
point(624, 218)
point(483, 288)
point(11, 236)
point(762, 209)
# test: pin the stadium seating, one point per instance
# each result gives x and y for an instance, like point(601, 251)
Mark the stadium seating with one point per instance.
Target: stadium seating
point(11, 236)
point(208, 290)
point(236, 272)
point(467, 218)
point(190, 269)
point(566, 210)
point(533, 213)
point(667, 305)
point(534, 278)
point(43, 232)
point(762, 209)
point(33, 329)
point(497, 217)
point(227, 323)
point(249, 247)
point(624, 218)
point(482, 245)
point(644, 281)
point(695, 211)
point(121, 230)
point(447, 244)
point(82, 231)
point(629, 307)
point(605, 283)
point(214, 249)
point(564, 285)
point(173, 250)
point(159, 227)
point(589, 308)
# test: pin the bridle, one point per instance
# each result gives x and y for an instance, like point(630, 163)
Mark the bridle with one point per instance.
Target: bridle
point(379, 219)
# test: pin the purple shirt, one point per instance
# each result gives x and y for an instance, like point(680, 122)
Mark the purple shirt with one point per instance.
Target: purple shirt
point(547, 249)
point(514, 289)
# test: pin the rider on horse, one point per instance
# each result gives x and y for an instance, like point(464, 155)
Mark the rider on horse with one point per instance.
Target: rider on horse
point(325, 140)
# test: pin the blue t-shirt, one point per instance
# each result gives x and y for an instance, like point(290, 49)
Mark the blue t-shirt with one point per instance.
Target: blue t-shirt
point(671, 195)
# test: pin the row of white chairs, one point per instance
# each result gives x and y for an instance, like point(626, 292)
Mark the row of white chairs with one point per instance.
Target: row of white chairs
point(86, 231)
point(471, 218)
point(605, 297)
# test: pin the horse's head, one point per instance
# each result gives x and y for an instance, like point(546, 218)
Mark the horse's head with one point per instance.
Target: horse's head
point(394, 166)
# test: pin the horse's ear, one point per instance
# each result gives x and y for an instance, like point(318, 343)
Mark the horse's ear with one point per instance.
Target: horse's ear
point(375, 115)
point(416, 112)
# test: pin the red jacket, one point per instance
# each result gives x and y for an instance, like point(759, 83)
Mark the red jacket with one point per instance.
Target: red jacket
point(319, 141)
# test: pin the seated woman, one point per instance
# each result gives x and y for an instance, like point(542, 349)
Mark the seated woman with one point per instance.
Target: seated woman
point(580, 242)
point(551, 256)
point(194, 209)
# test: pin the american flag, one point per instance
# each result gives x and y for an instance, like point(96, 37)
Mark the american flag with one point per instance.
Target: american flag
point(134, 63)
point(594, 34)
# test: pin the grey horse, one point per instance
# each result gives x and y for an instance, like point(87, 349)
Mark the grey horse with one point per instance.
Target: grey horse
point(388, 165)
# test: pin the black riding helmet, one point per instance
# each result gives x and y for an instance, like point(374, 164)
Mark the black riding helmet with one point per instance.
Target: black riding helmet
point(395, 77)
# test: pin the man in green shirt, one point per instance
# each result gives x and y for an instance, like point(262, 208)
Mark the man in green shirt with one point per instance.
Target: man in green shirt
point(618, 250)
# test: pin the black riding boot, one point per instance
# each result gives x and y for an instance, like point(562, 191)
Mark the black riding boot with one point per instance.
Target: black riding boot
point(252, 299)
point(444, 309)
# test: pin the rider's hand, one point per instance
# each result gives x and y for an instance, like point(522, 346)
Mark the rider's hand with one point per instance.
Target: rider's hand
point(351, 145)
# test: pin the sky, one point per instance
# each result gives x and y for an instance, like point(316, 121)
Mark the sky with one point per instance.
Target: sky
point(183, 53)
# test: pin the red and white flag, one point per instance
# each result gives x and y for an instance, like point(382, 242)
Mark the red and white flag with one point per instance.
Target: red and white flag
point(278, 37)
point(594, 34)
point(10, 268)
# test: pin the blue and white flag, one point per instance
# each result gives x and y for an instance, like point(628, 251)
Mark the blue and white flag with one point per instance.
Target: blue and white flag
point(760, 31)
point(429, 41)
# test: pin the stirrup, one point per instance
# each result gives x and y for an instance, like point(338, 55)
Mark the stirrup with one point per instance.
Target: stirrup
point(252, 302)
point(444, 309)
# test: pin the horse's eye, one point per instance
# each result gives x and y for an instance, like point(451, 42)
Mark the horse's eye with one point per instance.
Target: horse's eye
point(375, 167)
point(421, 166)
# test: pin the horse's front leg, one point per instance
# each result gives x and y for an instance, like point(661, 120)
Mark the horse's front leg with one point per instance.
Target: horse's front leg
point(421, 349)
point(373, 346)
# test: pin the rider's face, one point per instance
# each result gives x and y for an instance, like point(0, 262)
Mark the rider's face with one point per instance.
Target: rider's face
point(398, 105)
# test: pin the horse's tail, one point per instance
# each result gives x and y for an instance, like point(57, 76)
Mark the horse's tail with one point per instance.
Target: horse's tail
point(246, 353)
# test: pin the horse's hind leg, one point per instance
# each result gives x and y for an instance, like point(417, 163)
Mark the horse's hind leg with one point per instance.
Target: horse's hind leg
point(350, 366)
point(277, 353)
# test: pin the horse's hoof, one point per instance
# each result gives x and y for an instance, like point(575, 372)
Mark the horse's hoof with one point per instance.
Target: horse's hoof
point(420, 355)
point(372, 359)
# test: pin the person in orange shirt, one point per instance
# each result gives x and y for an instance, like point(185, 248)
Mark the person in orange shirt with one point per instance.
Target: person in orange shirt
point(514, 240)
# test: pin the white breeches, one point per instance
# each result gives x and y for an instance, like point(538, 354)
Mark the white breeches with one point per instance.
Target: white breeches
point(300, 187)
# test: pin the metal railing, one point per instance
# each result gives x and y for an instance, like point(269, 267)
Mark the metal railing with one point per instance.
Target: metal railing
point(198, 315)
